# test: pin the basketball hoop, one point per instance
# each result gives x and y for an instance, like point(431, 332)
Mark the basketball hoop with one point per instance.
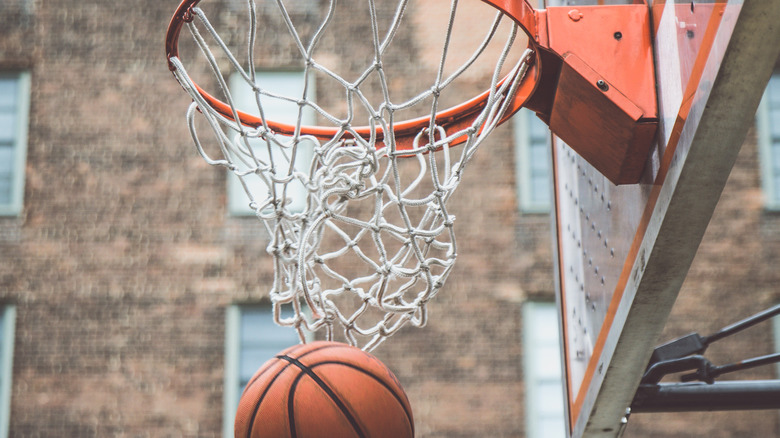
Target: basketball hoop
point(372, 241)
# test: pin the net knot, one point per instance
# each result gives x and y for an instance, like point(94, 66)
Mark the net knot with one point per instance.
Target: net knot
point(189, 15)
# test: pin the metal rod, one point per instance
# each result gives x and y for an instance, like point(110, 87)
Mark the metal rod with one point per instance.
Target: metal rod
point(719, 396)
point(741, 325)
point(745, 364)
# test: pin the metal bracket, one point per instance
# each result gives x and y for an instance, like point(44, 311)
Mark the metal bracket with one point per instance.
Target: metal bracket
point(685, 354)
point(596, 81)
point(604, 104)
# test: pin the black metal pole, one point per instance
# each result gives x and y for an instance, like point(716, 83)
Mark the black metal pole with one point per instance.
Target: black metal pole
point(742, 325)
point(716, 371)
point(698, 396)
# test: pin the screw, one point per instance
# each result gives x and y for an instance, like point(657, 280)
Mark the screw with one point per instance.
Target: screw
point(603, 86)
point(618, 35)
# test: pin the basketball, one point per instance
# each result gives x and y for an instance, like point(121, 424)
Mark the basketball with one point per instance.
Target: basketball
point(324, 389)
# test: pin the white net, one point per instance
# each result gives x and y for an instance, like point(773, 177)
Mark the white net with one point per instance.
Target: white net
point(360, 233)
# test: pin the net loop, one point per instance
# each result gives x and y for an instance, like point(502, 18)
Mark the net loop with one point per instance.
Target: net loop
point(360, 234)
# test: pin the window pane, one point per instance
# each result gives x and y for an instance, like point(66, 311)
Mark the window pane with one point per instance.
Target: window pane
point(774, 122)
point(260, 340)
point(541, 189)
point(776, 184)
point(533, 142)
point(540, 158)
point(289, 84)
point(6, 173)
point(8, 93)
point(7, 127)
point(2, 327)
point(549, 397)
point(252, 360)
point(551, 428)
point(773, 91)
point(537, 127)
point(545, 322)
point(547, 360)
point(775, 157)
point(544, 385)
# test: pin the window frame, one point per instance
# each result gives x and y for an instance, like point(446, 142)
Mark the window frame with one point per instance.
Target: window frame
point(532, 421)
point(776, 333)
point(521, 124)
point(6, 366)
point(15, 205)
point(237, 200)
point(232, 364)
point(764, 139)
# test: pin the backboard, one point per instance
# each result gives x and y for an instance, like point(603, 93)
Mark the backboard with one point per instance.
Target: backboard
point(624, 251)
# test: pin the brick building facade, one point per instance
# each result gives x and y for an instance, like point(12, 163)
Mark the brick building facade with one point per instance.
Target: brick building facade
point(123, 259)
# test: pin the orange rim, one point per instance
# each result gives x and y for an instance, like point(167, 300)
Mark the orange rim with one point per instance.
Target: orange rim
point(452, 119)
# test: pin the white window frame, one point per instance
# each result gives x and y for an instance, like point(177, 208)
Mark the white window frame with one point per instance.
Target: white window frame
point(14, 207)
point(6, 366)
point(231, 390)
point(539, 321)
point(287, 83)
point(528, 202)
point(776, 332)
point(765, 154)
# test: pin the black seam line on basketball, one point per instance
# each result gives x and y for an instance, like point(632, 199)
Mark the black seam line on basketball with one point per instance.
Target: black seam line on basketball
point(328, 390)
point(378, 379)
point(320, 348)
point(260, 400)
point(254, 379)
point(262, 396)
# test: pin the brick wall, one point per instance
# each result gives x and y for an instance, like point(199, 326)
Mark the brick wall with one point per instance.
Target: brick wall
point(124, 259)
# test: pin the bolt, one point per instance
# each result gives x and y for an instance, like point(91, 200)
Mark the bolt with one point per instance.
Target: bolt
point(618, 35)
point(575, 15)
point(603, 86)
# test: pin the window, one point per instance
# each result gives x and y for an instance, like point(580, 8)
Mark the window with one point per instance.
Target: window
point(768, 129)
point(532, 146)
point(542, 364)
point(287, 83)
point(7, 325)
point(14, 110)
point(251, 338)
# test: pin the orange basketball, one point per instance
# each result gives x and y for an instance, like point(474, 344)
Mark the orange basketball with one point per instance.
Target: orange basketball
point(324, 390)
